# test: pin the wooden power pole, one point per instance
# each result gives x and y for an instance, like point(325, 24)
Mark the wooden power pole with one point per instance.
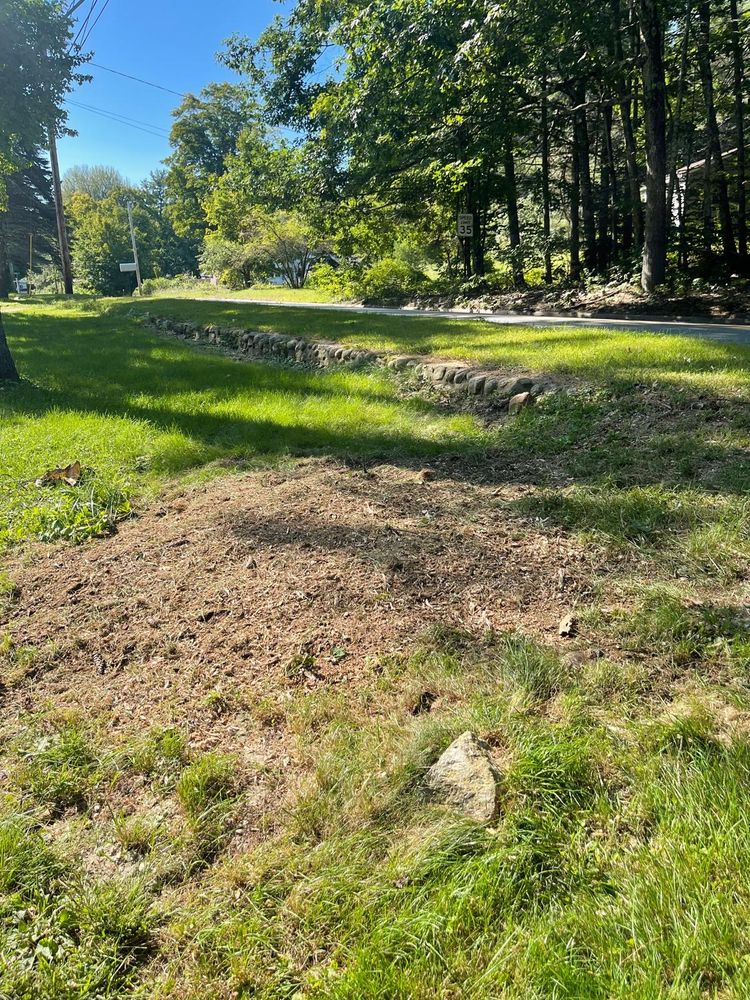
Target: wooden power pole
point(62, 232)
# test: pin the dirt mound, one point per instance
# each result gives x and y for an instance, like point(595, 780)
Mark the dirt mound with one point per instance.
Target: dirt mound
point(231, 594)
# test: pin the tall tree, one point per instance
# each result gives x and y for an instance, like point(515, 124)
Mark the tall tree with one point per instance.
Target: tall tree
point(714, 152)
point(739, 85)
point(654, 267)
point(98, 181)
point(36, 69)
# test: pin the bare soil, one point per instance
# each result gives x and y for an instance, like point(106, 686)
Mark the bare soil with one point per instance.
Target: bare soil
point(268, 581)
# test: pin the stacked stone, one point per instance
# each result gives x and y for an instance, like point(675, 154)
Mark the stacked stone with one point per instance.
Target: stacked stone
point(460, 376)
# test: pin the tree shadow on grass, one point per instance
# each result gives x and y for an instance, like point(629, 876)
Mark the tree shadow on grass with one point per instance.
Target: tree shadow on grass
point(128, 373)
point(116, 368)
point(606, 354)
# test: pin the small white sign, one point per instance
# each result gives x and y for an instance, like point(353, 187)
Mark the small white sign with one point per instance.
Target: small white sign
point(127, 267)
point(465, 225)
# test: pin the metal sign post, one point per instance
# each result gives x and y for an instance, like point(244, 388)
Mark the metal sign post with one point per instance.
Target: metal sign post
point(465, 232)
point(136, 266)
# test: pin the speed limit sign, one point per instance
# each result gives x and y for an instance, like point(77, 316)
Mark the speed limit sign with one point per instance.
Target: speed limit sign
point(465, 225)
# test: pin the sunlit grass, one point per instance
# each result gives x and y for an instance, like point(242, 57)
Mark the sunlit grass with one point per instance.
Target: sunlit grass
point(596, 353)
point(136, 409)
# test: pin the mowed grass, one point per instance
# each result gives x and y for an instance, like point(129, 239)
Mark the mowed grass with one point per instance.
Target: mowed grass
point(137, 410)
point(617, 867)
point(264, 293)
point(602, 355)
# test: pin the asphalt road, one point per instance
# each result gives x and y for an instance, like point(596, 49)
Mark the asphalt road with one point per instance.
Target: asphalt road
point(727, 333)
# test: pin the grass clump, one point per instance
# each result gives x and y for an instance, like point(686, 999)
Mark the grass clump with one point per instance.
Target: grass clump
point(206, 783)
point(207, 791)
point(15, 661)
point(160, 755)
point(63, 936)
point(683, 632)
point(61, 768)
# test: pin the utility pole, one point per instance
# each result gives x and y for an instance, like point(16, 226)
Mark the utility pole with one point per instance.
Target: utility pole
point(62, 232)
point(31, 262)
point(135, 248)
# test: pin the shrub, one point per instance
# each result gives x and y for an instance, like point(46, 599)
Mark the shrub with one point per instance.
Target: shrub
point(340, 282)
point(390, 279)
point(178, 283)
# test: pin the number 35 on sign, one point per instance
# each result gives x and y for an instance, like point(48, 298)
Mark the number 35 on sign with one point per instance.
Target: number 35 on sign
point(465, 225)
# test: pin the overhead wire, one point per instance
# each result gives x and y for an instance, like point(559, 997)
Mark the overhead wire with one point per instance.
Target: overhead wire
point(85, 28)
point(94, 23)
point(151, 129)
point(138, 79)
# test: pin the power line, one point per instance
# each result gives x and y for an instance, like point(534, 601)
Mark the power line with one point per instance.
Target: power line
point(155, 130)
point(95, 22)
point(82, 25)
point(138, 79)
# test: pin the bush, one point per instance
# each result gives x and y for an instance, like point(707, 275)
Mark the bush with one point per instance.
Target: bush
point(339, 281)
point(177, 283)
point(391, 279)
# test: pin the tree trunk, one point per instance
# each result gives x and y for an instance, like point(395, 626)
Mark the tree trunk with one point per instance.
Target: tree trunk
point(4, 268)
point(514, 226)
point(477, 240)
point(739, 119)
point(575, 218)
point(546, 225)
point(653, 271)
point(684, 194)
point(631, 161)
point(708, 217)
point(714, 152)
point(674, 131)
point(8, 371)
point(588, 211)
point(614, 221)
point(466, 243)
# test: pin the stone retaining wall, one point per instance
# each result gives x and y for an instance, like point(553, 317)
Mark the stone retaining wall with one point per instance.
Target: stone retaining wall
point(456, 375)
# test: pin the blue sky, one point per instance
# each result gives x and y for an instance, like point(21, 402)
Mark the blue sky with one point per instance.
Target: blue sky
point(170, 42)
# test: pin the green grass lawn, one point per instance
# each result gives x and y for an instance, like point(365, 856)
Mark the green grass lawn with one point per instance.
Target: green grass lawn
point(597, 354)
point(269, 293)
point(619, 865)
point(138, 410)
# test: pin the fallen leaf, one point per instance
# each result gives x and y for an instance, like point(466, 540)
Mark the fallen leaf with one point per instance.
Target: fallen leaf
point(70, 475)
point(568, 626)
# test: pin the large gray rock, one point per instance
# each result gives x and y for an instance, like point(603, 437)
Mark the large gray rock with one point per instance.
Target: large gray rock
point(465, 778)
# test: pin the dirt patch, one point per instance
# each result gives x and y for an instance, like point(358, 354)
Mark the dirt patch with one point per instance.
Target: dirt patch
point(214, 608)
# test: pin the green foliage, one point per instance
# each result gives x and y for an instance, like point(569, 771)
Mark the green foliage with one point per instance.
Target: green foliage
point(27, 864)
point(390, 279)
point(269, 243)
point(37, 64)
point(206, 131)
point(206, 790)
point(179, 283)
point(97, 181)
point(101, 238)
point(67, 938)
point(61, 512)
point(340, 282)
point(685, 632)
point(160, 754)
point(232, 262)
